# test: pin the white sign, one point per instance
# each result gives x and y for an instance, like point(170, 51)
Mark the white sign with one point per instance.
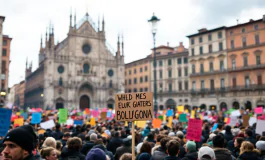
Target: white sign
point(260, 126)
point(235, 113)
point(47, 125)
point(69, 122)
point(252, 120)
point(233, 121)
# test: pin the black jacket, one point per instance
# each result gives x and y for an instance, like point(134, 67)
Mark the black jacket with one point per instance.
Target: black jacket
point(159, 154)
point(114, 144)
point(121, 150)
point(190, 156)
point(57, 135)
point(87, 147)
point(68, 154)
point(228, 136)
point(222, 154)
point(172, 158)
point(249, 156)
point(252, 140)
point(30, 157)
point(182, 152)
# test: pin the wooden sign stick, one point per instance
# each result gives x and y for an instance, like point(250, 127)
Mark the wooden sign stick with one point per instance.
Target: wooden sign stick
point(133, 141)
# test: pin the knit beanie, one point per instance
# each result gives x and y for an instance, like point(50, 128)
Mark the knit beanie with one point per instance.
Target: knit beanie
point(22, 137)
point(191, 146)
point(96, 154)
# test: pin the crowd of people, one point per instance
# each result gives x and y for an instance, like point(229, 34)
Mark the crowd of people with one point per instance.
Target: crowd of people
point(112, 140)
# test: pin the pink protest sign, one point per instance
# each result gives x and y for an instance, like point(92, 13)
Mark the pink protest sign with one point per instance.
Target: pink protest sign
point(259, 110)
point(104, 110)
point(95, 113)
point(194, 130)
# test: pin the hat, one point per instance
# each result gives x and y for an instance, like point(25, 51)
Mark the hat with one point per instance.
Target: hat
point(144, 156)
point(191, 146)
point(206, 151)
point(96, 154)
point(22, 137)
point(171, 134)
point(260, 145)
point(180, 133)
point(211, 136)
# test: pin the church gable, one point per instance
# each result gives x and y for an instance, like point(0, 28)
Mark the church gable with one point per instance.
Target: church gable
point(86, 29)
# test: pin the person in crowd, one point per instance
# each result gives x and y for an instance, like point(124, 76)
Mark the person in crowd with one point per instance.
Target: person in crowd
point(161, 152)
point(150, 138)
point(82, 135)
point(247, 152)
point(248, 134)
point(57, 134)
point(114, 143)
point(220, 151)
point(89, 144)
point(18, 144)
point(206, 153)
point(237, 144)
point(191, 153)
point(125, 148)
point(96, 154)
point(48, 153)
point(220, 127)
point(210, 140)
point(262, 138)
point(159, 137)
point(66, 136)
point(206, 132)
point(100, 144)
point(126, 156)
point(228, 133)
point(144, 151)
point(73, 149)
point(59, 145)
point(260, 145)
point(182, 150)
point(49, 142)
point(172, 150)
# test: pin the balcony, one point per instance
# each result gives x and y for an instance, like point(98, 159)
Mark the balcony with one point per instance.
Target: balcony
point(246, 68)
point(167, 92)
point(208, 73)
point(247, 88)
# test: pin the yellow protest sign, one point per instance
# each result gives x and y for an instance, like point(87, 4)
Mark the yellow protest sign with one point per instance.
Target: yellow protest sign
point(180, 109)
point(18, 113)
point(41, 131)
point(19, 121)
point(192, 114)
point(126, 124)
point(140, 124)
point(92, 121)
point(170, 119)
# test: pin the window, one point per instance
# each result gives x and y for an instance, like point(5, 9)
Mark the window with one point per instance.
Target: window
point(161, 74)
point(243, 30)
point(169, 53)
point(129, 90)
point(247, 81)
point(130, 72)
point(170, 87)
point(60, 81)
point(233, 63)
point(145, 89)
point(180, 86)
point(145, 68)
point(210, 47)
point(212, 84)
point(220, 35)
point(169, 62)
point(130, 81)
point(141, 69)
point(185, 60)
point(169, 73)
point(258, 59)
point(4, 52)
point(186, 85)
point(135, 90)
point(257, 39)
point(141, 89)
point(200, 39)
point(201, 50)
point(221, 65)
point(125, 82)
point(209, 37)
point(220, 46)
point(231, 33)
point(192, 41)
point(193, 68)
point(202, 84)
point(245, 61)
point(194, 85)
point(222, 83)
point(110, 84)
point(186, 71)
point(201, 68)
point(256, 27)
point(179, 72)
point(259, 78)
point(125, 73)
point(179, 60)
point(244, 42)
point(86, 68)
point(160, 63)
point(135, 70)
point(232, 43)
point(211, 66)
point(146, 78)
point(4, 42)
point(141, 79)
point(135, 80)
point(234, 82)
point(3, 67)
point(160, 87)
point(157, 53)
point(192, 52)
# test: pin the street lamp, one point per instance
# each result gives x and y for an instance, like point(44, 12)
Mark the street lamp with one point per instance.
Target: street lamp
point(154, 21)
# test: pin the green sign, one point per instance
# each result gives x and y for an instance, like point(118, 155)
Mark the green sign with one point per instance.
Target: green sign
point(62, 115)
point(183, 118)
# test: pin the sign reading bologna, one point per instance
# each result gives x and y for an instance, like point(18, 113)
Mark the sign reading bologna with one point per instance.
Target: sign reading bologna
point(134, 106)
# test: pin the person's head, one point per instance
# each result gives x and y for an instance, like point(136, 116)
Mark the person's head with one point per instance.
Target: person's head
point(173, 147)
point(96, 154)
point(59, 145)
point(228, 129)
point(150, 136)
point(93, 137)
point(248, 133)
point(126, 156)
point(66, 135)
point(220, 126)
point(246, 146)
point(58, 126)
point(206, 153)
point(116, 134)
point(218, 141)
point(159, 137)
point(74, 143)
point(262, 138)
point(127, 142)
point(49, 142)
point(180, 134)
point(190, 147)
point(238, 141)
point(164, 141)
point(260, 145)
point(144, 156)
point(48, 153)
point(18, 144)
point(146, 147)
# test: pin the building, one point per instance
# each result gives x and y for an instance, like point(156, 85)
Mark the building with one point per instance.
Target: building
point(172, 76)
point(82, 71)
point(11, 94)
point(5, 62)
point(208, 68)
point(2, 19)
point(137, 76)
point(246, 64)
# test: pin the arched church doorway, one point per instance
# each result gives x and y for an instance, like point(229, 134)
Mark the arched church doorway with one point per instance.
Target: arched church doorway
point(235, 105)
point(171, 104)
point(223, 106)
point(110, 104)
point(248, 105)
point(203, 107)
point(84, 102)
point(261, 103)
point(59, 103)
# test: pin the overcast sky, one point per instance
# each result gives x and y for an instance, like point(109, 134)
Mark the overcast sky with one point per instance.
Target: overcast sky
point(26, 21)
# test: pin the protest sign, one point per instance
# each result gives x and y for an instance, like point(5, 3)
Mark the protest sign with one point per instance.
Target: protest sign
point(233, 121)
point(95, 113)
point(62, 115)
point(170, 119)
point(141, 124)
point(214, 127)
point(5, 116)
point(183, 118)
point(47, 125)
point(25, 115)
point(134, 106)
point(194, 130)
point(103, 115)
point(109, 114)
point(36, 118)
point(259, 110)
point(42, 131)
point(19, 121)
point(260, 126)
point(180, 109)
point(87, 110)
point(235, 113)
point(169, 112)
point(92, 121)
point(245, 120)
point(252, 120)
point(69, 122)
point(78, 122)
point(160, 117)
point(192, 114)
point(156, 123)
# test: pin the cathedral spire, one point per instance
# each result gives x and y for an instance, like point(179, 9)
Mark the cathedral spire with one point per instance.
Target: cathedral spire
point(122, 45)
point(70, 26)
point(40, 43)
point(27, 63)
point(103, 24)
point(98, 23)
point(118, 46)
point(75, 20)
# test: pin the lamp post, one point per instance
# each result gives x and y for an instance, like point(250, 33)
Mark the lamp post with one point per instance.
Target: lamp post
point(154, 21)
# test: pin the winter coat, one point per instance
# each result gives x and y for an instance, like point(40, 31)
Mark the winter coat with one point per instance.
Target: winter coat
point(172, 158)
point(228, 136)
point(159, 154)
point(252, 140)
point(57, 135)
point(87, 147)
point(222, 154)
point(249, 156)
point(190, 156)
point(114, 144)
point(68, 154)
point(121, 150)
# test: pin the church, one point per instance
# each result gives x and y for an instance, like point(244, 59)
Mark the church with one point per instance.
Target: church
point(81, 72)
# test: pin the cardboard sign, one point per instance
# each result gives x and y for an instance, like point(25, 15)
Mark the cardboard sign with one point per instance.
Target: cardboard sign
point(62, 115)
point(259, 110)
point(103, 115)
point(69, 122)
point(48, 124)
point(156, 123)
point(214, 127)
point(260, 127)
point(180, 109)
point(194, 130)
point(36, 118)
point(95, 113)
point(183, 118)
point(134, 106)
point(245, 120)
point(19, 121)
point(233, 121)
point(5, 116)
point(109, 114)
